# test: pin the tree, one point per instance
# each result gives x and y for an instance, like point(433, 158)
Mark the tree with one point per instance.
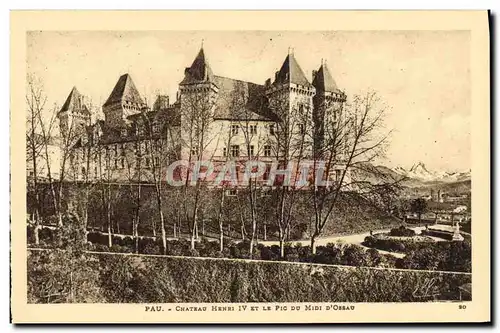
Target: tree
point(292, 143)
point(34, 145)
point(159, 152)
point(198, 132)
point(353, 137)
point(419, 206)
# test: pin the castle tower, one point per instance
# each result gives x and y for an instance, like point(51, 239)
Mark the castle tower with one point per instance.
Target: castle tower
point(328, 103)
point(197, 96)
point(124, 101)
point(74, 115)
point(290, 98)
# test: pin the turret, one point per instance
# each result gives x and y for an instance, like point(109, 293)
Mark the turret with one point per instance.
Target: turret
point(328, 103)
point(124, 101)
point(74, 115)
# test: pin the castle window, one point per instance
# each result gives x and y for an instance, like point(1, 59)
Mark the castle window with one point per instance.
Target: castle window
point(265, 176)
point(193, 152)
point(147, 162)
point(251, 150)
point(253, 129)
point(235, 150)
point(156, 128)
point(271, 129)
point(224, 151)
point(231, 193)
point(138, 162)
point(157, 161)
point(267, 151)
point(301, 108)
point(122, 162)
point(234, 129)
point(301, 129)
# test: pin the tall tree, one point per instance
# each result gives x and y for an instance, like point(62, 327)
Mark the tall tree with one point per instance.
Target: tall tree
point(353, 138)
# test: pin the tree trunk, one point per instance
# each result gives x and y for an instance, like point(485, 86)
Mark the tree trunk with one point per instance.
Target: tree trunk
point(110, 237)
point(135, 226)
point(313, 244)
point(163, 233)
point(192, 241)
point(282, 243)
point(221, 236)
point(36, 233)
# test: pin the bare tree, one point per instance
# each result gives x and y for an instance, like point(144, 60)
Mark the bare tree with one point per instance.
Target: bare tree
point(353, 138)
point(158, 132)
point(197, 118)
point(35, 101)
point(292, 143)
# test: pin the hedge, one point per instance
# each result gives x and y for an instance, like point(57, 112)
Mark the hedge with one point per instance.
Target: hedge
point(119, 278)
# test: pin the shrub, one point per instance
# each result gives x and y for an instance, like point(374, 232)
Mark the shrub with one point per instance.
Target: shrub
point(134, 279)
point(402, 231)
point(354, 255)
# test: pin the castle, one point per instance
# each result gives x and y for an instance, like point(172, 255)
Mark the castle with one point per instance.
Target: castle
point(213, 117)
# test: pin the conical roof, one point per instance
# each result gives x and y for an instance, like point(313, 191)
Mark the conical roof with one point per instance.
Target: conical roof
point(199, 71)
point(291, 72)
point(125, 91)
point(74, 102)
point(324, 81)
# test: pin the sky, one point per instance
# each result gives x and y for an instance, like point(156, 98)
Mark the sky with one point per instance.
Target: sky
point(424, 76)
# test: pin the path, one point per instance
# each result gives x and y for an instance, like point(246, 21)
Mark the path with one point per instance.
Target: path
point(348, 239)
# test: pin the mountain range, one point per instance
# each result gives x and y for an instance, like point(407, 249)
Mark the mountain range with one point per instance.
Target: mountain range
point(421, 173)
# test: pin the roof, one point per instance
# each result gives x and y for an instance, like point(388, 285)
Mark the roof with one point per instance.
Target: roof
point(161, 102)
point(324, 81)
point(74, 101)
point(199, 71)
point(241, 100)
point(124, 91)
point(291, 72)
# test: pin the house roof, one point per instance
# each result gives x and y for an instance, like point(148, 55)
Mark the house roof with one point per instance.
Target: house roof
point(74, 101)
point(241, 100)
point(199, 71)
point(324, 81)
point(125, 91)
point(291, 72)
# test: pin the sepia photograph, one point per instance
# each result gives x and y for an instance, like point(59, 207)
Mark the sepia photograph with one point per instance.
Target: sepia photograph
point(231, 171)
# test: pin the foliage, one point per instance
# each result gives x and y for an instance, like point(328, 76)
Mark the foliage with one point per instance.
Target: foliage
point(140, 279)
point(402, 231)
point(418, 206)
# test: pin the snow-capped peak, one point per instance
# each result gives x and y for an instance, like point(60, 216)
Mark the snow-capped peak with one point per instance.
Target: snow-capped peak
point(419, 171)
